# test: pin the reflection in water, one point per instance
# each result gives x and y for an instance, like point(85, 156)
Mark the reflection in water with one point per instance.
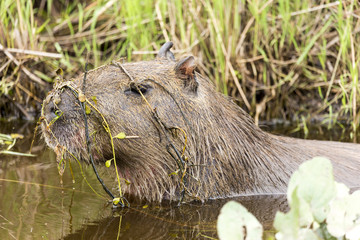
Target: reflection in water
point(37, 203)
point(188, 221)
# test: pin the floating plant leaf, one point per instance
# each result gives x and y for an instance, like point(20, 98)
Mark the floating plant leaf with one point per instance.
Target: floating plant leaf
point(82, 97)
point(307, 234)
point(344, 216)
point(16, 135)
point(108, 163)
point(126, 181)
point(315, 186)
point(174, 173)
point(121, 135)
point(94, 99)
point(87, 109)
point(287, 224)
point(320, 208)
point(235, 222)
point(116, 201)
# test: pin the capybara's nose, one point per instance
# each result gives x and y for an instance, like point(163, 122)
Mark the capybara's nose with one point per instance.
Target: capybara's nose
point(50, 111)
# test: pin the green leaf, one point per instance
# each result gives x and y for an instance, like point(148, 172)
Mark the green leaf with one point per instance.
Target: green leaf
point(174, 173)
point(320, 208)
point(5, 137)
point(121, 135)
point(43, 76)
point(235, 222)
point(116, 201)
point(126, 181)
point(315, 186)
point(58, 47)
point(17, 153)
point(344, 215)
point(42, 27)
point(94, 99)
point(307, 234)
point(287, 224)
point(312, 41)
point(16, 135)
point(82, 97)
point(87, 109)
point(108, 163)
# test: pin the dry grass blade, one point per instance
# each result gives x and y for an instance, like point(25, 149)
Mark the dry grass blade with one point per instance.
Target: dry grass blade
point(161, 21)
point(24, 69)
point(32, 52)
point(5, 65)
point(317, 8)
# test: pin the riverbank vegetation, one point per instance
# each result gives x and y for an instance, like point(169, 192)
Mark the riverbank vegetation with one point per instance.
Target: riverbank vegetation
point(279, 59)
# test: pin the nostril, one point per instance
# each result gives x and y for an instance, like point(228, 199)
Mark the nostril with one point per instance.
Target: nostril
point(50, 111)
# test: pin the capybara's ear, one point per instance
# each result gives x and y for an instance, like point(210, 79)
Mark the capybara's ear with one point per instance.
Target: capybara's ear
point(165, 52)
point(185, 69)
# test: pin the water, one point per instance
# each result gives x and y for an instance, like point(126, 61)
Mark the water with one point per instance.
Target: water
point(37, 203)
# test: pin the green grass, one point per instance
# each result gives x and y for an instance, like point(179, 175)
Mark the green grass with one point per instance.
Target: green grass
point(294, 58)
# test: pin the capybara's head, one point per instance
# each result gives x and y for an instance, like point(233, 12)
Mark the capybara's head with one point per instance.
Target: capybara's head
point(180, 130)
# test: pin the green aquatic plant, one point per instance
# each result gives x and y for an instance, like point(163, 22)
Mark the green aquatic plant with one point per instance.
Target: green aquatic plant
point(320, 209)
point(7, 142)
point(235, 222)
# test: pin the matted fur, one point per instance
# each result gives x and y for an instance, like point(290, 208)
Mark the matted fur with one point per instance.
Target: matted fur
point(227, 154)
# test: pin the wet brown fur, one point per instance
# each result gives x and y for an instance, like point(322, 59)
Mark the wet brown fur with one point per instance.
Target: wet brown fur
point(227, 153)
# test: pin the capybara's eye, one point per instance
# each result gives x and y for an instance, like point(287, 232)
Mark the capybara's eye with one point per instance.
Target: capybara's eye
point(138, 88)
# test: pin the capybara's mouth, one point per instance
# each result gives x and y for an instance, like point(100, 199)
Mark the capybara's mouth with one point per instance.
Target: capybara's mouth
point(59, 135)
point(61, 125)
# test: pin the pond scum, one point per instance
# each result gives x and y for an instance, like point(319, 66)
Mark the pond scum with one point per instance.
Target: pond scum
point(291, 60)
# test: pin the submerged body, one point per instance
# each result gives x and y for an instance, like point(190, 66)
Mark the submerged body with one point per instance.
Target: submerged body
point(191, 138)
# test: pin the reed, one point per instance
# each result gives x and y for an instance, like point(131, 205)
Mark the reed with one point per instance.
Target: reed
point(291, 60)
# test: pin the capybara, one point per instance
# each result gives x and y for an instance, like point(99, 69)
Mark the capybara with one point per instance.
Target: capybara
point(190, 139)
